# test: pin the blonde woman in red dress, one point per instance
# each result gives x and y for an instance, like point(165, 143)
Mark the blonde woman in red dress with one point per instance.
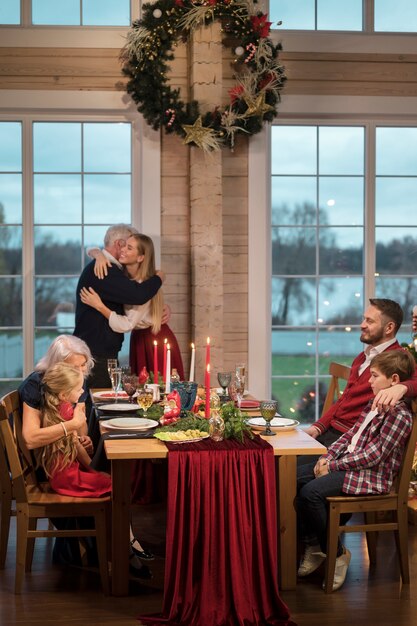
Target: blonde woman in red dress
point(145, 320)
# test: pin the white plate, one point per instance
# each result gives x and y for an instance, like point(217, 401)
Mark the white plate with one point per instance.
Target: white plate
point(278, 423)
point(110, 395)
point(130, 423)
point(118, 406)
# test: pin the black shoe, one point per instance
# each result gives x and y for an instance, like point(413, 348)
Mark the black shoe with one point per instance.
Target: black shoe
point(144, 555)
point(142, 572)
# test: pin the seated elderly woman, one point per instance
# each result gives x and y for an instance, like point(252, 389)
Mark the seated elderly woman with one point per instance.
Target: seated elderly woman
point(67, 349)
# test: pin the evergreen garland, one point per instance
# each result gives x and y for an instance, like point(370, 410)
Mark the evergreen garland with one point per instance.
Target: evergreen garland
point(259, 76)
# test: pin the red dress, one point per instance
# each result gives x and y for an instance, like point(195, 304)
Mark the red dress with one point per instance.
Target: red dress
point(142, 346)
point(75, 479)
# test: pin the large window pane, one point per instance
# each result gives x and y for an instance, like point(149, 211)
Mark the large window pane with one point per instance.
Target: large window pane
point(55, 302)
point(10, 198)
point(107, 148)
point(10, 12)
point(294, 150)
point(340, 300)
point(297, 397)
point(293, 250)
point(396, 250)
point(341, 250)
point(49, 154)
point(11, 351)
point(293, 301)
point(10, 250)
point(341, 150)
point(396, 151)
point(396, 201)
point(10, 147)
point(341, 200)
point(105, 194)
point(289, 196)
point(338, 344)
point(293, 352)
point(57, 13)
point(399, 16)
point(57, 198)
point(332, 15)
point(403, 290)
point(106, 12)
point(10, 301)
point(294, 15)
point(57, 250)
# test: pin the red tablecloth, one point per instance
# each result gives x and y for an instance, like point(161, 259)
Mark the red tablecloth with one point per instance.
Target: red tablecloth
point(221, 555)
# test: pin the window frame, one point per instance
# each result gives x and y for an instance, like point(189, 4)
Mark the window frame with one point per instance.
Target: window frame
point(85, 107)
point(370, 112)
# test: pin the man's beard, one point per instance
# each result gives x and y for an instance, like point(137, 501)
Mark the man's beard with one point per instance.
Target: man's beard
point(372, 340)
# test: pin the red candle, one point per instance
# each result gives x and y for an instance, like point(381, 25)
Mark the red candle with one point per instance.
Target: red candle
point(207, 386)
point(208, 352)
point(155, 362)
point(164, 370)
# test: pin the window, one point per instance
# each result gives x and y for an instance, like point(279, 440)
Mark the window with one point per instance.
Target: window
point(68, 13)
point(343, 228)
point(75, 181)
point(331, 15)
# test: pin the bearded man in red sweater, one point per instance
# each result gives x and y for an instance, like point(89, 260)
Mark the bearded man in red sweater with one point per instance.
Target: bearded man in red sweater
point(381, 322)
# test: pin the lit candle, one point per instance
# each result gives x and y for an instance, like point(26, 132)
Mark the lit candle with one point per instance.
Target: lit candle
point(164, 369)
point(155, 362)
point(168, 370)
point(207, 386)
point(192, 365)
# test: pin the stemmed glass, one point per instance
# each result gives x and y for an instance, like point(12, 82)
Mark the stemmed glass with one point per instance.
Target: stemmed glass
point(130, 383)
point(116, 380)
point(240, 383)
point(268, 408)
point(224, 378)
point(111, 364)
point(144, 399)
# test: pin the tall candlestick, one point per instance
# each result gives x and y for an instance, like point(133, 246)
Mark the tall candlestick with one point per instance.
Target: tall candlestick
point(208, 352)
point(192, 365)
point(164, 368)
point(155, 362)
point(168, 371)
point(207, 386)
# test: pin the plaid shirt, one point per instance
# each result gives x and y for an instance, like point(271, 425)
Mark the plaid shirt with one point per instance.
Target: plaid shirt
point(375, 462)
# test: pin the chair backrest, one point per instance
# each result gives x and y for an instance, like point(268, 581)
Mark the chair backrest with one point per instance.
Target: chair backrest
point(14, 412)
point(403, 478)
point(13, 456)
point(337, 372)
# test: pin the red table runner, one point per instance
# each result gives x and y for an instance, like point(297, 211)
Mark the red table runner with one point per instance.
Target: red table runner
point(221, 554)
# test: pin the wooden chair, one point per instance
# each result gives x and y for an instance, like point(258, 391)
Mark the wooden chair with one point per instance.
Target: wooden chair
point(36, 501)
point(370, 506)
point(337, 372)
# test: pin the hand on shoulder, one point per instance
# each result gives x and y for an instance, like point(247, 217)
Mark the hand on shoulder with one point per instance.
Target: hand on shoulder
point(389, 397)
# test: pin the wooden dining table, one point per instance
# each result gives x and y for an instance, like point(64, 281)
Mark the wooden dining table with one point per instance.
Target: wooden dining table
point(286, 446)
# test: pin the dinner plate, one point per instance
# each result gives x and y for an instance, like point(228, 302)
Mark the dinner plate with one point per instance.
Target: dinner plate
point(110, 395)
point(118, 407)
point(250, 405)
point(278, 424)
point(130, 423)
point(165, 438)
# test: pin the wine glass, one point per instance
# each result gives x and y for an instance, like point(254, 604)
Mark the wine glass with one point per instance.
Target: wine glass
point(224, 378)
point(130, 383)
point(111, 364)
point(116, 379)
point(239, 386)
point(144, 400)
point(268, 408)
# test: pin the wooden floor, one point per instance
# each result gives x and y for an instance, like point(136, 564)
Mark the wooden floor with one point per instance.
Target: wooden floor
point(58, 595)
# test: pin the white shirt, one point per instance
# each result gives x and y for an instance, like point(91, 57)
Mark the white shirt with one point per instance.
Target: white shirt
point(372, 351)
point(351, 447)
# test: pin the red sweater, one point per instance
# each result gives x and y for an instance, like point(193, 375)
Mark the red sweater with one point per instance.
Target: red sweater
point(343, 414)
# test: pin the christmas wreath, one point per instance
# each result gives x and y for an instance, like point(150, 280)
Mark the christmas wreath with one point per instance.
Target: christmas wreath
point(259, 76)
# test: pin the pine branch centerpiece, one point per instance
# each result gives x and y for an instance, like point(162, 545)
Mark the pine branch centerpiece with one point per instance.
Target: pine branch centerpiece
point(254, 98)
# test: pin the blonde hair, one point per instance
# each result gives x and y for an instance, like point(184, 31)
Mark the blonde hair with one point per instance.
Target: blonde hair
point(58, 380)
point(146, 270)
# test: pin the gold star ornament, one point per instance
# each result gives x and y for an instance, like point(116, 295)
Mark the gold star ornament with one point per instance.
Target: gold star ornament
point(257, 106)
point(202, 136)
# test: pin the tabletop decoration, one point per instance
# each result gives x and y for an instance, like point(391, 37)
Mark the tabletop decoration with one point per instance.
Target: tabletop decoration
point(155, 362)
point(192, 364)
point(253, 99)
point(168, 370)
point(164, 367)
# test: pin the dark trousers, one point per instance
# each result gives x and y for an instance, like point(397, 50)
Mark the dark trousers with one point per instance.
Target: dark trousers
point(311, 504)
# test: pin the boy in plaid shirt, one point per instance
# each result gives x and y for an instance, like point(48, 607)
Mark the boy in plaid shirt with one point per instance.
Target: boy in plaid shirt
point(363, 461)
